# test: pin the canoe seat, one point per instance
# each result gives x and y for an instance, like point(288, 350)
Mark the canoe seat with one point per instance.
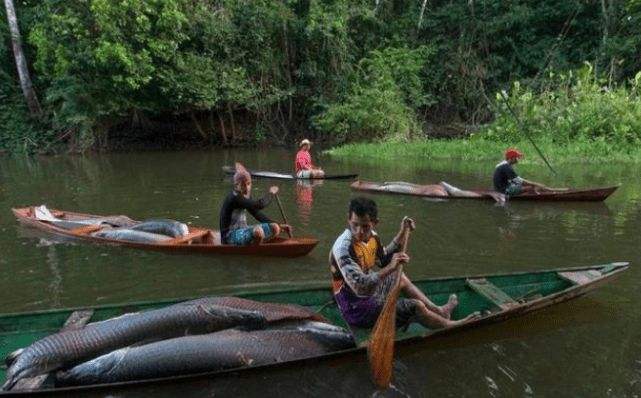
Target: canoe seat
point(580, 277)
point(492, 293)
point(203, 234)
point(77, 319)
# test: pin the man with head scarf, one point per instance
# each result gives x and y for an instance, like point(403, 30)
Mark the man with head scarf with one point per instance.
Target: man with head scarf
point(234, 229)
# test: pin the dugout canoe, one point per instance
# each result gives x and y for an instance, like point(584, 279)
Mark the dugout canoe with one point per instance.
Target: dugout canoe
point(281, 176)
point(498, 297)
point(432, 191)
point(198, 240)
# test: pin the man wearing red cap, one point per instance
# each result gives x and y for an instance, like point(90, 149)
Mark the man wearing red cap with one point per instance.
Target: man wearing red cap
point(507, 182)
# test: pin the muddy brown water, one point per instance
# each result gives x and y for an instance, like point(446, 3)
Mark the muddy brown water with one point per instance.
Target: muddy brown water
point(588, 347)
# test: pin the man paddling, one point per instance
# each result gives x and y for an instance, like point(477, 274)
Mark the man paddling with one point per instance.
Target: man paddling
point(363, 273)
point(233, 213)
point(507, 182)
point(303, 164)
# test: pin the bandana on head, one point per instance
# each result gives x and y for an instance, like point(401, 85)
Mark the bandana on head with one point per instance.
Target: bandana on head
point(241, 174)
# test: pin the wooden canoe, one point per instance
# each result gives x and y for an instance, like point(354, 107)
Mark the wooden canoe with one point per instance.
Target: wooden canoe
point(281, 176)
point(433, 191)
point(498, 297)
point(199, 240)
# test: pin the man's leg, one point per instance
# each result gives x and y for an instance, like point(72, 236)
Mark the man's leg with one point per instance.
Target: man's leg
point(258, 235)
point(433, 320)
point(413, 292)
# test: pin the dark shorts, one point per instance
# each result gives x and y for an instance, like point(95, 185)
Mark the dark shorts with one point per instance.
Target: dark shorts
point(245, 236)
point(363, 311)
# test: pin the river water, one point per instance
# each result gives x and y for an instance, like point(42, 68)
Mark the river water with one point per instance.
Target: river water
point(588, 347)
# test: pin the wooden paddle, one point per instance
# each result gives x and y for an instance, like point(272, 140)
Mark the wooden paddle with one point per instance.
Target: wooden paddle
point(282, 213)
point(380, 349)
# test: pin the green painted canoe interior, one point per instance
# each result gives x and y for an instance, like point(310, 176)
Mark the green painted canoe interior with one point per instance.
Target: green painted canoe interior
point(20, 330)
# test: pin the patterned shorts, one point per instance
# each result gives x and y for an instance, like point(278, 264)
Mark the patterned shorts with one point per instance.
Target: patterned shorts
point(364, 311)
point(304, 174)
point(514, 189)
point(245, 236)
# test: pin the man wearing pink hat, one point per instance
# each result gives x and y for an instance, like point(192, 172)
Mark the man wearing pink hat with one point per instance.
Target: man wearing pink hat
point(507, 182)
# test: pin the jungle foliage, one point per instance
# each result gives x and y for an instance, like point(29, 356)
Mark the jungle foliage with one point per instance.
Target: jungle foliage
point(228, 72)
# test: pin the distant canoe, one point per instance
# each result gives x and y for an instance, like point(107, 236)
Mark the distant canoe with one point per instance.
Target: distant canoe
point(433, 191)
point(280, 176)
point(198, 240)
point(497, 297)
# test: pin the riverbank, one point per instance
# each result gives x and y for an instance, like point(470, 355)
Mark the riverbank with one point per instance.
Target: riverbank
point(481, 149)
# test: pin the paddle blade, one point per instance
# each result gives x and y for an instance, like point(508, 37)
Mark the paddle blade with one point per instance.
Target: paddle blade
point(381, 344)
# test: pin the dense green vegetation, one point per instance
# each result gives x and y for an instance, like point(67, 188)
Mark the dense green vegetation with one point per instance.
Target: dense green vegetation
point(113, 73)
point(578, 117)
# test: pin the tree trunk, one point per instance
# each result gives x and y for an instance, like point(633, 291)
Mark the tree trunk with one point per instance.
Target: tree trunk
point(234, 137)
point(198, 128)
point(21, 62)
point(222, 129)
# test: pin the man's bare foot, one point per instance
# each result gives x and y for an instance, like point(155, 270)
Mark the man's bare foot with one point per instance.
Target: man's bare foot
point(446, 309)
point(472, 317)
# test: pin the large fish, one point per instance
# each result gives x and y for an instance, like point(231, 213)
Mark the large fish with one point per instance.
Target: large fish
point(130, 235)
point(209, 352)
point(203, 315)
point(42, 213)
point(71, 347)
point(161, 226)
point(273, 312)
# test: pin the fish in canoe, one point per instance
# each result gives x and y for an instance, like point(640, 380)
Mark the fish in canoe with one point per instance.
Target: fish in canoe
point(283, 176)
point(496, 296)
point(447, 191)
point(209, 352)
point(121, 230)
point(194, 317)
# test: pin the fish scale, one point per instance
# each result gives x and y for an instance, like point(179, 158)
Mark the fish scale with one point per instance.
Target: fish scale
point(197, 316)
point(209, 352)
point(71, 347)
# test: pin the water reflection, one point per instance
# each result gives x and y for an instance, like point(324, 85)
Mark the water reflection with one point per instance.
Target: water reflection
point(305, 198)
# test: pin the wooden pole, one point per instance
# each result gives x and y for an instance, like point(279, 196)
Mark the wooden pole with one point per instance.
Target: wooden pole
point(282, 213)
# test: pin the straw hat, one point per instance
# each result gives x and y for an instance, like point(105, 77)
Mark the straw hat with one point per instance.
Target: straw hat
point(305, 142)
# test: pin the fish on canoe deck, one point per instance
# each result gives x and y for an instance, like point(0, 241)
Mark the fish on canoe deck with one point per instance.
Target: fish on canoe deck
point(160, 235)
point(444, 190)
point(200, 316)
point(208, 352)
point(498, 297)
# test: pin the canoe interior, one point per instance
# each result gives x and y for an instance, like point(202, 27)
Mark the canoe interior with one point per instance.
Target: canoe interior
point(530, 290)
point(199, 240)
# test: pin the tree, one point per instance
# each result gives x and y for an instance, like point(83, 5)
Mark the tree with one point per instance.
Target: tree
point(21, 62)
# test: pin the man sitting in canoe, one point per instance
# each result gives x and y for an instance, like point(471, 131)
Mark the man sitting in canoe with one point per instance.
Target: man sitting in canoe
point(507, 182)
point(360, 290)
point(233, 213)
point(303, 165)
